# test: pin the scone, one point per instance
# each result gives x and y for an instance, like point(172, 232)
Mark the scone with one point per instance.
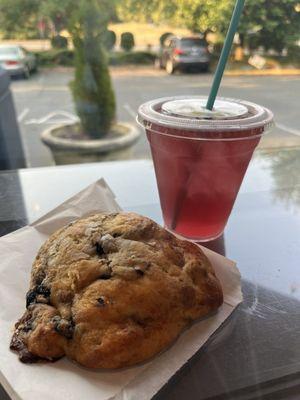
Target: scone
point(112, 290)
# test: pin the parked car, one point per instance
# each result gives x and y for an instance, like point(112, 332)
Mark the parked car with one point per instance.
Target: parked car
point(183, 53)
point(17, 61)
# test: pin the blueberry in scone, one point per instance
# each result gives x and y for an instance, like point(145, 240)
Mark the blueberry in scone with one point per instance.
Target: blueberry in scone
point(112, 290)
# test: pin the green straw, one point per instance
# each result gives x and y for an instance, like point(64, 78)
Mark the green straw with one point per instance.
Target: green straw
point(238, 9)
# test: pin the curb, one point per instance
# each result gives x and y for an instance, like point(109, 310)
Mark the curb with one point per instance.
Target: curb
point(265, 72)
point(132, 69)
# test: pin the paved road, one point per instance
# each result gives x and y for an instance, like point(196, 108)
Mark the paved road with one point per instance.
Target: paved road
point(45, 100)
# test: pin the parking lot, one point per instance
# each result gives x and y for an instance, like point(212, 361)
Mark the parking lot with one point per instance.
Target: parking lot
point(45, 100)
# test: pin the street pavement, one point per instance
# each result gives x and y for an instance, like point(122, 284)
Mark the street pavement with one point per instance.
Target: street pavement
point(45, 100)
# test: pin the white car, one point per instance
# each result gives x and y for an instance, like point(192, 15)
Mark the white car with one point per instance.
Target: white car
point(17, 61)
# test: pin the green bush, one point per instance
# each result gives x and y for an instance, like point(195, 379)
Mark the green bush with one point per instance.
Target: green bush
point(55, 57)
point(109, 39)
point(218, 46)
point(127, 41)
point(92, 89)
point(66, 58)
point(164, 37)
point(294, 52)
point(59, 42)
point(137, 57)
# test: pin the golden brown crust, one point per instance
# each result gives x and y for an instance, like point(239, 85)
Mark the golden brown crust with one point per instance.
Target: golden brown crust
point(112, 290)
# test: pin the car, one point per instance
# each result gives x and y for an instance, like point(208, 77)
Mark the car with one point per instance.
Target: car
point(17, 61)
point(180, 53)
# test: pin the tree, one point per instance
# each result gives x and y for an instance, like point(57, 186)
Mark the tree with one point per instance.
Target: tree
point(272, 24)
point(202, 16)
point(19, 18)
point(157, 11)
point(92, 89)
point(268, 23)
point(197, 15)
point(61, 12)
point(57, 12)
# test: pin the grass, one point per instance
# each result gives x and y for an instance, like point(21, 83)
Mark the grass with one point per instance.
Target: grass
point(145, 34)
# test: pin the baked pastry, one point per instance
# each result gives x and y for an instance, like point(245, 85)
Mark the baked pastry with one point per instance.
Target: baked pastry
point(112, 290)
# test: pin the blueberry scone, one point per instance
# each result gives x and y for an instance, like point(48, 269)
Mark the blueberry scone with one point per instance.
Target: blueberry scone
point(112, 290)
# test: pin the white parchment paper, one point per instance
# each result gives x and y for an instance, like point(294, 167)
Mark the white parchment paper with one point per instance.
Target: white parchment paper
point(64, 380)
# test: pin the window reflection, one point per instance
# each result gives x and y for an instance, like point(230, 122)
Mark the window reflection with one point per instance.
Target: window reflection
point(285, 167)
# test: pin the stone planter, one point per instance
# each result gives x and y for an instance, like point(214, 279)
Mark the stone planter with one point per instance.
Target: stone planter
point(69, 147)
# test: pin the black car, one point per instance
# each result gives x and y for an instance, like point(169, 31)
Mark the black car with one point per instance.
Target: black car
point(183, 53)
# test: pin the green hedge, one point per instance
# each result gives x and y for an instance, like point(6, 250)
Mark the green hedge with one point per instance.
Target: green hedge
point(109, 39)
point(137, 57)
point(164, 37)
point(66, 57)
point(59, 42)
point(127, 41)
point(55, 57)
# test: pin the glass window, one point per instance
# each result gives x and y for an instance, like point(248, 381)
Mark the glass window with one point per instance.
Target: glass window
point(190, 42)
point(73, 75)
point(9, 51)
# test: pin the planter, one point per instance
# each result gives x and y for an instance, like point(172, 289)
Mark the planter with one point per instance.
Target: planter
point(68, 146)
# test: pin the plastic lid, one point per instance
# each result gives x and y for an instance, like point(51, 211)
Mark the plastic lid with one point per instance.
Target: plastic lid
point(195, 108)
point(188, 113)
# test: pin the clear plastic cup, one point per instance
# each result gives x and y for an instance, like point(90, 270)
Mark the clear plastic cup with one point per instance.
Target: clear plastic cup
point(200, 158)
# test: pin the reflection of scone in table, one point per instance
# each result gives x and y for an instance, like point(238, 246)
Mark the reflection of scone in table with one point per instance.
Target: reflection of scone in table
point(112, 290)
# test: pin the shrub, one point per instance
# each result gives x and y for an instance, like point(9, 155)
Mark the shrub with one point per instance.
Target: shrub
point(127, 41)
point(109, 39)
point(293, 52)
point(218, 46)
point(55, 57)
point(137, 57)
point(66, 58)
point(92, 89)
point(59, 42)
point(164, 37)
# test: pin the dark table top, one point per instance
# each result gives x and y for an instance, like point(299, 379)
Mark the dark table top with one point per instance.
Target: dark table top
point(256, 354)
